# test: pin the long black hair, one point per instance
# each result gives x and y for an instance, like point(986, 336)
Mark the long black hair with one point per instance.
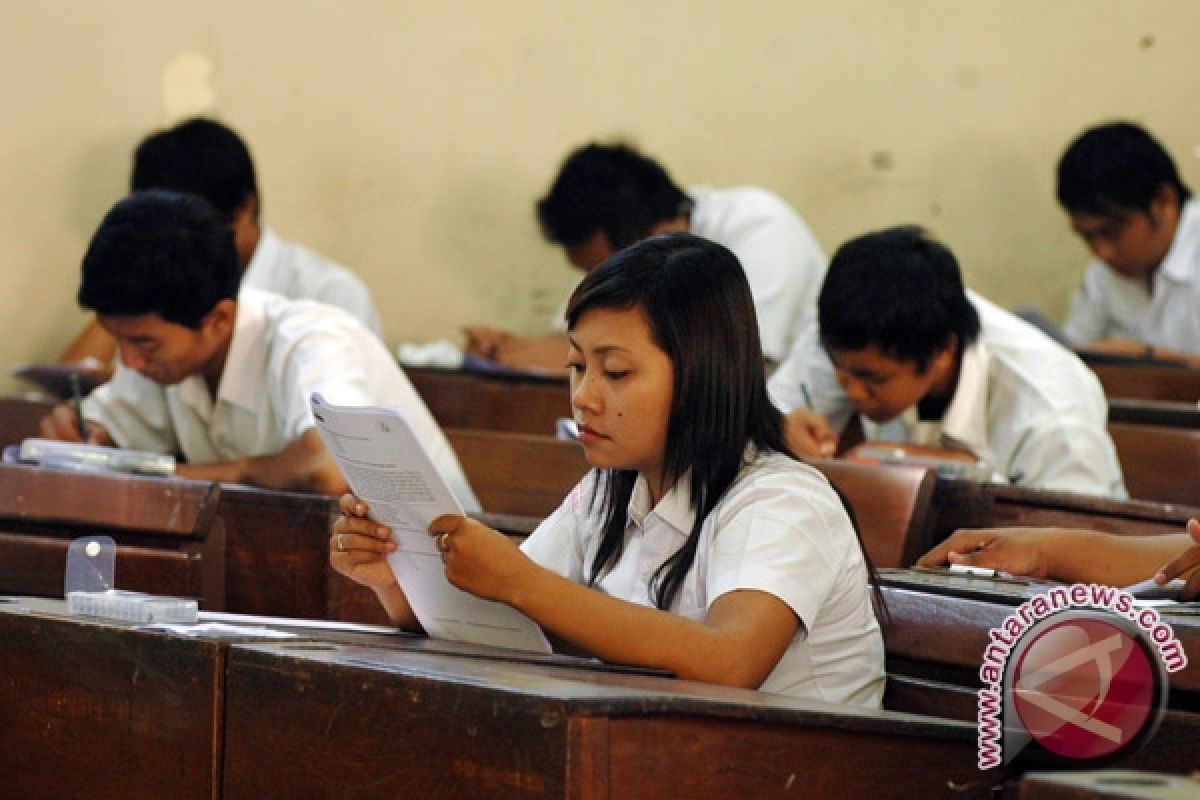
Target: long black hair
point(697, 303)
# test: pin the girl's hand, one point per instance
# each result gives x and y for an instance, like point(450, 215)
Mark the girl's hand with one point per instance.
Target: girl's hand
point(480, 560)
point(358, 546)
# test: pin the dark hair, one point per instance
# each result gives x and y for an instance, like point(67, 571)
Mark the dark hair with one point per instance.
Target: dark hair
point(160, 252)
point(697, 304)
point(1113, 167)
point(610, 188)
point(899, 290)
point(199, 156)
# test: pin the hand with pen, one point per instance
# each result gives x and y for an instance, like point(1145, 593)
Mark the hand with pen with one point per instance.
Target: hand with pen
point(65, 422)
point(809, 434)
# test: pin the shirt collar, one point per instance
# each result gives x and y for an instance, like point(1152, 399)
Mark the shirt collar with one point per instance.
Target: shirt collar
point(1178, 265)
point(675, 508)
point(247, 352)
point(266, 252)
point(965, 420)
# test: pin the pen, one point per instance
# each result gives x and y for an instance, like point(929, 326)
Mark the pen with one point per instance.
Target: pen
point(807, 397)
point(77, 404)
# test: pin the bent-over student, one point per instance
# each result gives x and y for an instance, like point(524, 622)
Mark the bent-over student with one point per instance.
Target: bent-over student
point(1076, 556)
point(901, 342)
point(1126, 200)
point(608, 196)
point(698, 544)
point(221, 376)
point(206, 158)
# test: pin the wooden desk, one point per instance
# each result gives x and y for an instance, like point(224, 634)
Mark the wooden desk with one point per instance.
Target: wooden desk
point(1154, 412)
point(1170, 383)
point(1161, 464)
point(490, 401)
point(98, 709)
point(940, 635)
point(169, 540)
point(359, 722)
point(19, 418)
point(965, 504)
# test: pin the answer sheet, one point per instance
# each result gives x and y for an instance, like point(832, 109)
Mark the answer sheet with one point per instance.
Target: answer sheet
point(388, 468)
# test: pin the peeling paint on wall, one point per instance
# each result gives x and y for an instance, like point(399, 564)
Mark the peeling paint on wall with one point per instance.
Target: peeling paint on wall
point(187, 87)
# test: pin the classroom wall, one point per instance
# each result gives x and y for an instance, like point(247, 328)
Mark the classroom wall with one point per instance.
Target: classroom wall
point(410, 139)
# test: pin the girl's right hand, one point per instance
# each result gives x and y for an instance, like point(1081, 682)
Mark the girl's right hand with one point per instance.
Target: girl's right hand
point(359, 546)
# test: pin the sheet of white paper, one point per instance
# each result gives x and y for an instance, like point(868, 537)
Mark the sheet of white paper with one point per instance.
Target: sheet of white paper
point(389, 469)
point(1150, 593)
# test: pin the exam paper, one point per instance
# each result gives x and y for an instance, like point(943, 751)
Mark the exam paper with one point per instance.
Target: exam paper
point(389, 469)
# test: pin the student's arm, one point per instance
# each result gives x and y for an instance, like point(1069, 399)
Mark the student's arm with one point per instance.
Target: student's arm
point(546, 353)
point(738, 643)
point(92, 342)
point(304, 465)
point(809, 434)
point(1063, 554)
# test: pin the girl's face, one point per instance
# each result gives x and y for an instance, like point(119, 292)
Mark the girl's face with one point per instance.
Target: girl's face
point(622, 388)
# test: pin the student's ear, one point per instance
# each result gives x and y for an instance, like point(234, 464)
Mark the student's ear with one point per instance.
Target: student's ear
point(1165, 201)
point(218, 323)
point(947, 357)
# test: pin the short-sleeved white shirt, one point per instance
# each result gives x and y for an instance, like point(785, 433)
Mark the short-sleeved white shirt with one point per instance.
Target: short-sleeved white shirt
point(1108, 304)
point(1024, 404)
point(298, 273)
point(779, 529)
point(783, 262)
point(281, 351)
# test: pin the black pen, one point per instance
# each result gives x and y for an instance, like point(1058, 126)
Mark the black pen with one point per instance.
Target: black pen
point(77, 404)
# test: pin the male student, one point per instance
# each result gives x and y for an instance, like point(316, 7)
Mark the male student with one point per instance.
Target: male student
point(606, 197)
point(219, 375)
point(901, 342)
point(203, 157)
point(1125, 199)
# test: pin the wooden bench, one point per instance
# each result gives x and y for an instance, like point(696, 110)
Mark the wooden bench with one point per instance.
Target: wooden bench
point(967, 504)
point(489, 401)
point(1160, 464)
point(891, 504)
point(518, 473)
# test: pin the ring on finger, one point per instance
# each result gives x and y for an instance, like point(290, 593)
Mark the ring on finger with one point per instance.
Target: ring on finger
point(443, 542)
point(341, 543)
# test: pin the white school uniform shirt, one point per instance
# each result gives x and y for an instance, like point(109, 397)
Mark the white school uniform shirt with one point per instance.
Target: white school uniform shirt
point(1025, 405)
point(779, 529)
point(296, 272)
point(281, 351)
point(783, 262)
point(1108, 304)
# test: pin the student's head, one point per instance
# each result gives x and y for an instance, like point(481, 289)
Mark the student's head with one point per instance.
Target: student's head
point(894, 318)
point(667, 375)
point(161, 273)
point(1123, 195)
point(605, 198)
point(204, 157)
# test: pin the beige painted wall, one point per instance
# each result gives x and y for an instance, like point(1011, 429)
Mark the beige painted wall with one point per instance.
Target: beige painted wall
point(409, 139)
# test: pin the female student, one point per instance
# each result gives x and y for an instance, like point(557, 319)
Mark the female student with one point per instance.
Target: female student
point(698, 545)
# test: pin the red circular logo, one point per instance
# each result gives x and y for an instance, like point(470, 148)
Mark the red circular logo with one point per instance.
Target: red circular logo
point(1084, 688)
